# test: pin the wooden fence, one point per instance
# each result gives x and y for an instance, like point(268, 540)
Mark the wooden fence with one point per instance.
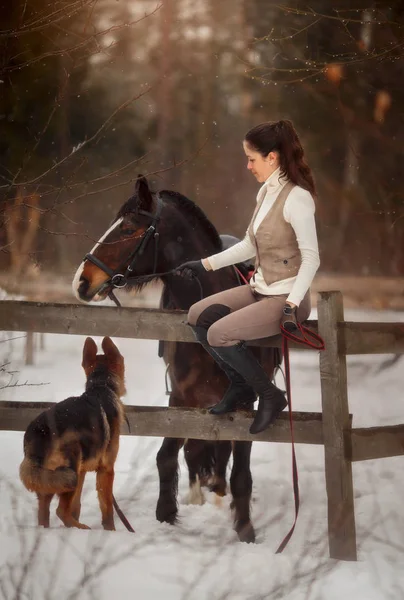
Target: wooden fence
point(331, 428)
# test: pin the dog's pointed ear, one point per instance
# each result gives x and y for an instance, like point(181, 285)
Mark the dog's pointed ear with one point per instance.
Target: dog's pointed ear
point(143, 193)
point(89, 353)
point(110, 350)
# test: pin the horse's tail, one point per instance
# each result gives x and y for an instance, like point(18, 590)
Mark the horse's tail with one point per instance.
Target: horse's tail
point(47, 481)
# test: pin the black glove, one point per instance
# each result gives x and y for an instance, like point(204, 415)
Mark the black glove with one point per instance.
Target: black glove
point(191, 269)
point(289, 321)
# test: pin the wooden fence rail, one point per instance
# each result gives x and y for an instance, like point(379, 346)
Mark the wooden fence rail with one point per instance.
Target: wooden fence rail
point(155, 324)
point(173, 422)
point(332, 428)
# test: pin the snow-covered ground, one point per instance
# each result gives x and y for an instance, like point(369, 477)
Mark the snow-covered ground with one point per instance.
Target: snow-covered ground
point(201, 557)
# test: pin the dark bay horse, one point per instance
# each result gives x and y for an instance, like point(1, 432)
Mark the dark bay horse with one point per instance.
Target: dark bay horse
point(151, 235)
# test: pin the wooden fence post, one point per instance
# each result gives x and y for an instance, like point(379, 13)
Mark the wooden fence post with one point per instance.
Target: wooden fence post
point(29, 348)
point(334, 397)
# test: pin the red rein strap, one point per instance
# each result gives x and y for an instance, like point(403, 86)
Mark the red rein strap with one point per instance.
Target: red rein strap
point(311, 340)
point(241, 276)
point(306, 336)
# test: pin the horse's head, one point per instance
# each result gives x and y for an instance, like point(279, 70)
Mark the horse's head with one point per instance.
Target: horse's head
point(128, 245)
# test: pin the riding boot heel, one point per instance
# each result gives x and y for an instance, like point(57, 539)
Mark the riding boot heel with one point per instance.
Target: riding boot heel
point(269, 408)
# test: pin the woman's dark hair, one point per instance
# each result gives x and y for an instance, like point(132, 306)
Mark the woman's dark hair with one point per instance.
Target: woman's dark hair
point(282, 137)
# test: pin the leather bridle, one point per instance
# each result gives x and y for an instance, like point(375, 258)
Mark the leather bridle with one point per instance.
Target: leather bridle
point(119, 278)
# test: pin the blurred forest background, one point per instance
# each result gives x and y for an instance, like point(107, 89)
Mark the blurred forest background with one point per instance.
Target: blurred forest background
point(94, 92)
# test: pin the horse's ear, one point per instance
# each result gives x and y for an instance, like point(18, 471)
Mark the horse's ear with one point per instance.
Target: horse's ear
point(143, 192)
point(89, 353)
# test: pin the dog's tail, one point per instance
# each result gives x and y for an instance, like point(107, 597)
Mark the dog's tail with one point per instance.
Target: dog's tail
point(45, 481)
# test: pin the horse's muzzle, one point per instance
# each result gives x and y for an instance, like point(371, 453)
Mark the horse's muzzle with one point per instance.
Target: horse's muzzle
point(83, 288)
point(86, 293)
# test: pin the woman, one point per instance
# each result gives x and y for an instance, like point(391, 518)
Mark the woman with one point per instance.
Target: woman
point(282, 237)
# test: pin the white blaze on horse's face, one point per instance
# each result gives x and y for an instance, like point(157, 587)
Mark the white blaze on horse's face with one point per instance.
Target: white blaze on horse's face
point(76, 281)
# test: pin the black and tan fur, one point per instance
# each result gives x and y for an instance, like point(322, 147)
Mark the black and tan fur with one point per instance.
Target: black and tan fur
point(78, 435)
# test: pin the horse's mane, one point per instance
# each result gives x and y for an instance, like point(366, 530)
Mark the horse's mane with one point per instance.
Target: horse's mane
point(186, 205)
point(195, 212)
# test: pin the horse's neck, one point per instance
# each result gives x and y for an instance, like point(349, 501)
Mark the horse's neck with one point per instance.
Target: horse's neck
point(188, 235)
point(195, 242)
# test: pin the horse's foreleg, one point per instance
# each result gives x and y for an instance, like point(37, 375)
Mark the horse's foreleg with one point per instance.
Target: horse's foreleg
point(167, 465)
point(241, 488)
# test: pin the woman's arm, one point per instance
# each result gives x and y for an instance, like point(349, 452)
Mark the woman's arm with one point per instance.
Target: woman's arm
point(299, 212)
point(237, 253)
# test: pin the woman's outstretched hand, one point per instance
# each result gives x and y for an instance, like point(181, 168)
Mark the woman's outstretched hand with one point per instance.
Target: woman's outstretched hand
point(191, 269)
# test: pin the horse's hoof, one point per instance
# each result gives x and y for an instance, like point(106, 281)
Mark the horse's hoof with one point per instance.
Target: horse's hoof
point(246, 533)
point(166, 514)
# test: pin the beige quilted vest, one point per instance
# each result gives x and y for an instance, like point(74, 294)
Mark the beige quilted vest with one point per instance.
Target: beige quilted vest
point(277, 251)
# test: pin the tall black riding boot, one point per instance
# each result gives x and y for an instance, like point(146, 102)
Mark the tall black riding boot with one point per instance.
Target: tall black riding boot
point(239, 394)
point(272, 400)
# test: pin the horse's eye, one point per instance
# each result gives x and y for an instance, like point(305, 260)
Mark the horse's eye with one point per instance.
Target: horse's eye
point(129, 231)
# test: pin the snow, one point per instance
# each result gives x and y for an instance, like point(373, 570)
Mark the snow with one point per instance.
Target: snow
point(201, 557)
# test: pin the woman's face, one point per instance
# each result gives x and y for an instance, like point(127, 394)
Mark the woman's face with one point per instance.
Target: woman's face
point(260, 166)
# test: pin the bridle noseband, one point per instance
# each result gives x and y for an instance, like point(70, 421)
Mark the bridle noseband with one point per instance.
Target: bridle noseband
point(119, 278)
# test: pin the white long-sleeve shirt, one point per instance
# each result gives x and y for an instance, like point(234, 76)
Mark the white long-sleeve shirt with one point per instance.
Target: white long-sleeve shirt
point(299, 211)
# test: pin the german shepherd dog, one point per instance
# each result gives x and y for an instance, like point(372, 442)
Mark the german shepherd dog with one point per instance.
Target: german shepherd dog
point(77, 435)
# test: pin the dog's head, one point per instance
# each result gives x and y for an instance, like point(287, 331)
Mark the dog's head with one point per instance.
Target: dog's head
point(112, 360)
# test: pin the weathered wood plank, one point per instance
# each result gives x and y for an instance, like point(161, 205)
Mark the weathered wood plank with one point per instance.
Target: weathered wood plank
point(368, 443)
point(183, 423)
point(80, 319)
point(334, 394)
point(155, 324)
point(143, 323)
point(371, 338)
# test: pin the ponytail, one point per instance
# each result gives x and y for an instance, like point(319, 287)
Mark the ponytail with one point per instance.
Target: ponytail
point(282, 137)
